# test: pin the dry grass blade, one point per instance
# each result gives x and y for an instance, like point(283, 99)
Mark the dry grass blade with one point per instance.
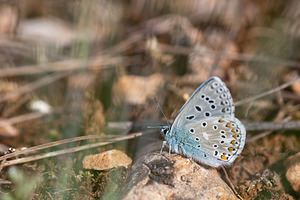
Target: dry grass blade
point(24, 118)
point(34, 85)
point(274, 126)
point(65, 151)
point(285, 85)
point(66, 65)
point(229, 55)
point(57, 143)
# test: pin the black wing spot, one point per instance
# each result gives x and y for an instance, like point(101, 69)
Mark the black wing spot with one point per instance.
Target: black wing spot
point(215, 127)
point(211, 101)
point(216, 153)
point(190, 117)
point(215, 145)
point(220, 90)
point(224, 95)
point(198, 108)
point(197, 139)
point(204, 124)
point(207, 98)
point(202, 96)
point(222, 131)
point(225, 110)
point(215, 84)
point(213, 107)
point(198, 146)
point(207, 114)
point(223, 136)
point(192, 130)
point(204, 155)
point(222, 142)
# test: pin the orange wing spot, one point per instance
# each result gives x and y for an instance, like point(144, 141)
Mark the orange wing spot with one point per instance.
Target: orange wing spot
point(221, 120)
point(234, 136)
point(223, 157)
point(233, 130)
point(228, 125)
point(233, 142)
point(230, 149)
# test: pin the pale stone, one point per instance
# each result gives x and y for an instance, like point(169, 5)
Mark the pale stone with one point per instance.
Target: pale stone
point(106, 160)
point(293, 172)
point(157, 177)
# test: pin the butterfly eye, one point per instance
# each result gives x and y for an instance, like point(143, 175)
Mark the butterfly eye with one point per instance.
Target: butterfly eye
point(164, 131)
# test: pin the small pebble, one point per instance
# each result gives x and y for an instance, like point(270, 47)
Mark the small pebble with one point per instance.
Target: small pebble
point(293, 172)
point(106, 160)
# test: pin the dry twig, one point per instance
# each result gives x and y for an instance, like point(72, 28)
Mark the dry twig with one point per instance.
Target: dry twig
point(63, 151)
point(34, 85)
point(285, 85)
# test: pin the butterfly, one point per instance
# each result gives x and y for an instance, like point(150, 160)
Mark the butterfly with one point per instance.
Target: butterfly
point(205, 128)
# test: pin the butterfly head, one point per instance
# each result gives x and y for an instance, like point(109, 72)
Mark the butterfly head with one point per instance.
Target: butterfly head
point(164, 131)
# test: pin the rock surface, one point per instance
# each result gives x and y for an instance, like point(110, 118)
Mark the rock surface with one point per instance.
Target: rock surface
point(156, 177)
point(293, 172)
point(106, 160)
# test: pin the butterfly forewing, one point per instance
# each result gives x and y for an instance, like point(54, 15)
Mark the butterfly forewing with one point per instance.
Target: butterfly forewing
point(211, 99)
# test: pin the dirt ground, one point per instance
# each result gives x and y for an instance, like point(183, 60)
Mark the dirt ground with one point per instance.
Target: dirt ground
point(81, 68)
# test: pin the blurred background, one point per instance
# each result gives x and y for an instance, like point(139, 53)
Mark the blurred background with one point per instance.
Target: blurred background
point(77, 68)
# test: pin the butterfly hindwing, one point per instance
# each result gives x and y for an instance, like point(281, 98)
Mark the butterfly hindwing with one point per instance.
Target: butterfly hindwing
point(221, 139)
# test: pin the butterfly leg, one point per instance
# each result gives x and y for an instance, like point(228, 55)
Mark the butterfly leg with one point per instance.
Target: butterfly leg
point(170, 148)
point(184, 153)
point(162, 146)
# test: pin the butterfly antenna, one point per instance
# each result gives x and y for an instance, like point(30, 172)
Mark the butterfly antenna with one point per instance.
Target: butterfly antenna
point(158, 105)
point(155, 126)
